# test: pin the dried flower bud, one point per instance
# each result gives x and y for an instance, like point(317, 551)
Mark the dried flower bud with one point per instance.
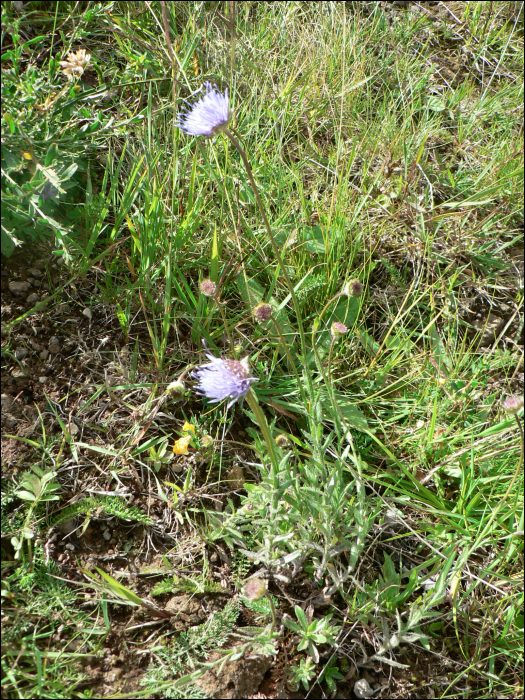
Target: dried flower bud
point(262, 312)
point(75, 64)
point(282, 441)
point(176, 389)
point(338, 329)
point(207, 441)
point(353, 288)
point(513, 404)
point(255, 589)
point(208, 288)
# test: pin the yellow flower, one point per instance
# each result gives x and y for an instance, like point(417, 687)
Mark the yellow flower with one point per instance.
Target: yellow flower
point(181, 445)
point(188, 426)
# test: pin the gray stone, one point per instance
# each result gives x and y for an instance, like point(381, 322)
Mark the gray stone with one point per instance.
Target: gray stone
point(7, 402)
point(21, 377)
point(21, 352)
point(19, 288)
point(67, 526)
point(35, 272)
point(107, 535)
point(40, 265)
point(236, 679)
point(44, 354)
point(54, 345)
point(36, 346)
point(33, 298)
point(70, 547)
point(362, 689)
point(42, 380)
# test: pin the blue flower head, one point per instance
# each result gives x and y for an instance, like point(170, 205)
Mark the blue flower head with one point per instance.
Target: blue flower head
point(222, 379)
point(209, 116)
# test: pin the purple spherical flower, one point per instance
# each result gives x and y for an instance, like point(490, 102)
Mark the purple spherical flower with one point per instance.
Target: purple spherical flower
point(208, 116)
point(338, 329)
point(222, 379)
point(513, 404)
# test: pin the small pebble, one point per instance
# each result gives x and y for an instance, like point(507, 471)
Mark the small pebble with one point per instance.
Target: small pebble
point(70, 547)
point(35, 272)
point(42, 380)
point(7, 402)
point(20, 353)
point(19, 288)
point(33, 298)
point(44, 355)
point(107, 535)
point(362, 689)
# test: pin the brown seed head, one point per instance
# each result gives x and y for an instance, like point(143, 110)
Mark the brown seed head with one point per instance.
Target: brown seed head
point(255, 589)
point(262, 312)
point(353, 288)
point(282, 441)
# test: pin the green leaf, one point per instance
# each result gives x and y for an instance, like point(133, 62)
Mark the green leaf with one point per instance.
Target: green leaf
point(119, 589)
point(299, 612)
point(9, 243)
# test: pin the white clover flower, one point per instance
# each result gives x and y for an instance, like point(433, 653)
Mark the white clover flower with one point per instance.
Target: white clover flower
point(75, 63)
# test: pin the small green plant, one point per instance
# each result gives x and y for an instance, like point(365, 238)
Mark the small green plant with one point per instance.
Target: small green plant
point(157, 455)
point(302, 673)
point(330, 674)
point(389, 590)
point(312, 631)
point(35, 488)
point(112, 505)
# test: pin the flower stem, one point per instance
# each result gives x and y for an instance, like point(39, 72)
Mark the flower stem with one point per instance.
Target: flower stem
point(273, 243)
point(329, 369)
point(263, 424)
point(274, 617)
point(291, 361)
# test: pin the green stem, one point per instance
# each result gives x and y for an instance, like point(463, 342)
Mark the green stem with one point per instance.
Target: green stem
point(274, 617)
point(263, 424)
point(291, 361)
point(329, 369)
point(273, 243)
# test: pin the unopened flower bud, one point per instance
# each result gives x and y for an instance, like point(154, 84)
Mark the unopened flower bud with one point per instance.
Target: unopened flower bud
point(262, 312)
point(282, 441)
point(338, 329)
point(207, 441)
point(255, 589)
point(513, 404)
point(353, 288)
point(208, 288)
point(176, 389)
